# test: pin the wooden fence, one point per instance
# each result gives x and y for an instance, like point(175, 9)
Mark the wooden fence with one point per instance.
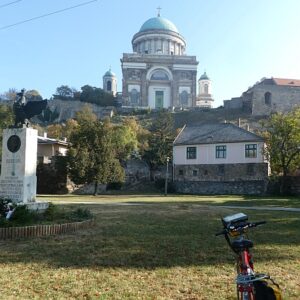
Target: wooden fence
point(42, 230)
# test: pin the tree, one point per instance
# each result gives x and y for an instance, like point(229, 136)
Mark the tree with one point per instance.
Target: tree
point(142, 134)
point(55, 131)
point(96, 95)
point(92, 155)
point(161, 138)
point(282, 133)
point(86, 115)
point(64, 92)
point(70, 126)
point(6, 120)
point(33, 95)
point(10, 95)
point(124, 140)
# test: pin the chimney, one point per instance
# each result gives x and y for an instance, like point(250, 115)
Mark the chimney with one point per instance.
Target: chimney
point(45, 135)
point(247, 127)
point(239, 122)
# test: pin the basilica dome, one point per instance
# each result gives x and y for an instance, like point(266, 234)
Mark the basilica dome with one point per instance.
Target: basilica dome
point(158, 36)
point(158, 23)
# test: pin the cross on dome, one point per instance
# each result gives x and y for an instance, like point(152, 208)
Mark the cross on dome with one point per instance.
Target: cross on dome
point(158, 11)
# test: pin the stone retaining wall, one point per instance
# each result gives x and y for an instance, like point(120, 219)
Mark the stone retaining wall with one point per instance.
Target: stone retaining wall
point(254, 187)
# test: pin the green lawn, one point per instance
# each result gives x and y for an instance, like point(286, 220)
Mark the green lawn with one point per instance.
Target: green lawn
point(201, 200)
point(164, 250)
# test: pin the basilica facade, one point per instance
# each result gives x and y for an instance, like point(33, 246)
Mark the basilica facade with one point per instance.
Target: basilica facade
point(158, 73)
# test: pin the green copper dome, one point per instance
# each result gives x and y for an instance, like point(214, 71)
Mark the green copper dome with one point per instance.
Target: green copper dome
point(110, 73)
point(204, 76)
point(158, 23)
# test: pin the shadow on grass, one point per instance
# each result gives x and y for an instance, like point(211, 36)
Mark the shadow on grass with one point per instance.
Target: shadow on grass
point(154, 236)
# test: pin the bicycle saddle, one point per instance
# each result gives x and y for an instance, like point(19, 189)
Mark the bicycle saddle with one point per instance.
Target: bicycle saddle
point(241, 244)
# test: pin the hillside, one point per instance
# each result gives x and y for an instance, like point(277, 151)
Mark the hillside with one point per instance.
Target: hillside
point(217, 115)
point(208, 116)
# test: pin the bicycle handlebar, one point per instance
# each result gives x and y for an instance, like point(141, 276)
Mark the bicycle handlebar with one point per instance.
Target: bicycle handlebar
point(240, 227)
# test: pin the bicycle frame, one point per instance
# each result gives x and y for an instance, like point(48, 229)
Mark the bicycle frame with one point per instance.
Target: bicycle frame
point(245, 271)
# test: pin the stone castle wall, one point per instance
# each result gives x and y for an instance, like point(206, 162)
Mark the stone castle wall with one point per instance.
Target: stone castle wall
point(283, 99)
point(68, 109)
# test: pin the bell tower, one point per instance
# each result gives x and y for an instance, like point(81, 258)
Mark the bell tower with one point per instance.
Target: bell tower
point(204, 98)
point(110, 82)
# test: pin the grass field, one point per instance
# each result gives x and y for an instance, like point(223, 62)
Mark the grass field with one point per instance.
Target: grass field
point(246, 201)
point(148, 250)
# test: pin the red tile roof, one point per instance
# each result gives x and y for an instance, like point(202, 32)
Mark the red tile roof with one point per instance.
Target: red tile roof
point(287, 82)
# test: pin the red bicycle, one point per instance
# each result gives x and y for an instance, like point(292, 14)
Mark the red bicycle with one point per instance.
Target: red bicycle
point(250, 285)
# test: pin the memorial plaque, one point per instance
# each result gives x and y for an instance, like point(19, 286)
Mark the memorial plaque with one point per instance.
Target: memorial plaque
point(13, 143)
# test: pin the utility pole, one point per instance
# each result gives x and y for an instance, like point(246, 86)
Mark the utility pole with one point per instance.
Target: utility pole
point(166, 178)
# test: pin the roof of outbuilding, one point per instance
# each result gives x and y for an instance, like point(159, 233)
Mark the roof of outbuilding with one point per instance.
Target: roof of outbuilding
point(215, 134)
point(45, 140)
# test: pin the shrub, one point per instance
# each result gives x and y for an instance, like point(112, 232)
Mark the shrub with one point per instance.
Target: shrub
point(114, 185)
point(81, 214)
point(23, 216)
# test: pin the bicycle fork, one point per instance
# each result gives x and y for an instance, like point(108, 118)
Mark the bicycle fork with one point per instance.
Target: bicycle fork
point(245, 273)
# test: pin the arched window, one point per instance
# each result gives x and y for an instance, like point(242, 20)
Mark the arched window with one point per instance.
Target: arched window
point(134, 97)
point(268, 98)
point(184, 98)
point(159, 75)
point(108, 86)
point(206, 88)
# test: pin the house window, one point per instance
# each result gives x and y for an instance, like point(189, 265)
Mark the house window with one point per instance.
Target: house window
point(195, 173)
point(251, 150)
point(268, 98)
point(221, 151)
point(191, 153)
point(180, 172)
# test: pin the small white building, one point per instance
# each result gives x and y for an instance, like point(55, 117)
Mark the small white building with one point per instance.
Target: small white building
point(48, 147)
point(224, 158)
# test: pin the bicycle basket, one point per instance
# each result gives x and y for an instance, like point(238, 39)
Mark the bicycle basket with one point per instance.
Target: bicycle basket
point(267, 289)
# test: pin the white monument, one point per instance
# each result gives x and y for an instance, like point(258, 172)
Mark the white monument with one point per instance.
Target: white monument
point(19, 155)
point(18, 169)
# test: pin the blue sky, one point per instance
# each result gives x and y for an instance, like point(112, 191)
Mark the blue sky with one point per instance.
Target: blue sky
point(236, 41)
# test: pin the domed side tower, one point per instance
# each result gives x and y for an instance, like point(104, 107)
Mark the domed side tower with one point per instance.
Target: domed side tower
point(158, 36)
point(110, 82)
point(204, 98)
